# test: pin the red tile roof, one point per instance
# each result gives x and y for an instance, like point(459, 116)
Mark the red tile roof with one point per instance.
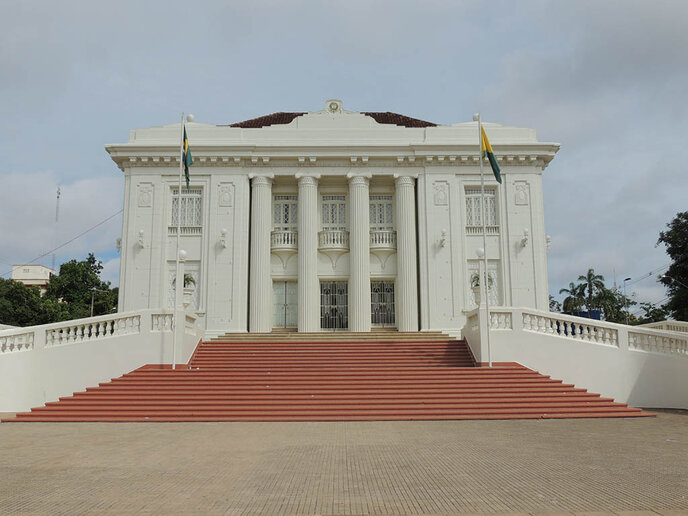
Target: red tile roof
point(387, 117)
point(264, 121)
point(380, 117)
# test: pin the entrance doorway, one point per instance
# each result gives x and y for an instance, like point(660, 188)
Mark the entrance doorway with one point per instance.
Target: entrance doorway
point(284, 304)
point(334, 305)
point(382, 304)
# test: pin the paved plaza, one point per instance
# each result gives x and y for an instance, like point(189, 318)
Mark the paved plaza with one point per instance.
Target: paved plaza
point(441, 467)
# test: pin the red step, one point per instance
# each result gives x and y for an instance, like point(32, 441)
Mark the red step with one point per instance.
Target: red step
point(273, 379)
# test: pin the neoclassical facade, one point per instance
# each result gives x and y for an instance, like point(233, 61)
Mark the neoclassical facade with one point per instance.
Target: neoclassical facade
point(332, 220)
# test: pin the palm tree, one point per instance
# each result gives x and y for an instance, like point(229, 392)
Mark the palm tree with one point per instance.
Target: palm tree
point(575, 298)
point(593, 284)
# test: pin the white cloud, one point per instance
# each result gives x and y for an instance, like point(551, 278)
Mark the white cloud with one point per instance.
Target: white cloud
point(27, 216)
point(606, 79)
point(110, 272)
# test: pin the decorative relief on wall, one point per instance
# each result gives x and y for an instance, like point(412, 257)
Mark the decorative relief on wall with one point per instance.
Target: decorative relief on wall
point(521, 196)
point(226, 196)
point(145, 195)
point(441, 190)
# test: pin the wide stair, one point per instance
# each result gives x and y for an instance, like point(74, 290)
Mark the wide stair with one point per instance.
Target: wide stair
point(329, 377)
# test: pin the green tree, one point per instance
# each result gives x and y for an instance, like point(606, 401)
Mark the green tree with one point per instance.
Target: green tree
point(594, 285)
point(24, 306)
point(614, 305)
point(675, 238)
point(652, 313)
point(76, 283)
point(575, 299)
point(554, 305)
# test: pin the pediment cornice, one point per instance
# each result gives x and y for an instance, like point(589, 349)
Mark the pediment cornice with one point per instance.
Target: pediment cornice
point(127, 156)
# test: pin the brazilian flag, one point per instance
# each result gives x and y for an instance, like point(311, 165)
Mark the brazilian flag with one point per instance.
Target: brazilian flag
point(188, 160)
point(487, 152)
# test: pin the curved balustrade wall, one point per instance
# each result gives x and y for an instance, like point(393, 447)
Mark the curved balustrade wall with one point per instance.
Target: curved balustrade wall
point(41, 363)
point(641, 366)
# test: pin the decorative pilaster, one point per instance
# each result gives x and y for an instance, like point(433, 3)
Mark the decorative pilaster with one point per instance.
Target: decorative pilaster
point(308, 285)
point(359, 242)
point(407, 275)
point(260, 282)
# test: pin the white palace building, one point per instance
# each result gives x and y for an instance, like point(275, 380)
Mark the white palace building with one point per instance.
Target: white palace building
point(336, 220)
point(332, 220)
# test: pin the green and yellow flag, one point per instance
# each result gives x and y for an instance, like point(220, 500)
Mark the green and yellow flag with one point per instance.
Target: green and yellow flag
point(486, 150)
point(188, 160)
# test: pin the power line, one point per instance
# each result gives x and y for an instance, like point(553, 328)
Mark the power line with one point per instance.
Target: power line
point(648, 274)
point(71, 240)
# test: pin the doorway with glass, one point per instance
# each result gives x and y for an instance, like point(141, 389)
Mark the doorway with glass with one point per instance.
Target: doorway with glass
point(284, 305)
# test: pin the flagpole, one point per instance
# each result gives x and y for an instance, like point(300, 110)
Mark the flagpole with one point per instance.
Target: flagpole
point(486, 278)
point(179, 230)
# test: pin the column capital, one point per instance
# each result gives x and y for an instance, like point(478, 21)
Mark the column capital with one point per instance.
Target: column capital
point(359, 179)
point(404, 180)
point(307, 179)
point(261, 179)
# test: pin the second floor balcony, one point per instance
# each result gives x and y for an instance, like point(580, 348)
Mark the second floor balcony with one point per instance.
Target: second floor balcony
point(383, 239)
point(284, 240)
point(336, 239)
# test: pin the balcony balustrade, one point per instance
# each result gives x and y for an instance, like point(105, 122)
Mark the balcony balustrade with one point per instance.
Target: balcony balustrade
point(284, 244)
point(383, 239)
point(333, 243)
point(333, 239)
point(284, 240)
point(383, 244)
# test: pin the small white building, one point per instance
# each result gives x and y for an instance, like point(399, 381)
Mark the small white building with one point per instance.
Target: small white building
point(333, 220)
point(32, 275)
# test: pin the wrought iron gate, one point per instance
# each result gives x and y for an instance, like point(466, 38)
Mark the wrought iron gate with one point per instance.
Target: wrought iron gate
point(382, 304)
point(334, 305)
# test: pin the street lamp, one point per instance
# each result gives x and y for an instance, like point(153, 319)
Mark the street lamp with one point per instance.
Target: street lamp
point(93, 293)
point(625, 299)
point(674, 279)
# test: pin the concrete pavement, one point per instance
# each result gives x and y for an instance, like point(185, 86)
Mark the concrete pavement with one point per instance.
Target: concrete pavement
point(434, 467)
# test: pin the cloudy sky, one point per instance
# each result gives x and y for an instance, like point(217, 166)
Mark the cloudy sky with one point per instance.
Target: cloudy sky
point(606, 79)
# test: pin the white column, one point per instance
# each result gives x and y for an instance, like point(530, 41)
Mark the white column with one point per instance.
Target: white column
point(406, 295)
point(308, 225)
point(260, 282)
point(359, 242)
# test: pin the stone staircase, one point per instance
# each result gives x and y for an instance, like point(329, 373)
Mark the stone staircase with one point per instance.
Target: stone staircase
point(329, 377)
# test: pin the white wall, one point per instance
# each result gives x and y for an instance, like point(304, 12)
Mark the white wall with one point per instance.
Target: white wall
point(41, 363)
point(639, 366)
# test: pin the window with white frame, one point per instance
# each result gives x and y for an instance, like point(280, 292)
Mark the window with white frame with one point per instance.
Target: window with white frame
point(190, 213)
point(474, 211)
point(381, 213)
point(333, 212)
point(284, 213)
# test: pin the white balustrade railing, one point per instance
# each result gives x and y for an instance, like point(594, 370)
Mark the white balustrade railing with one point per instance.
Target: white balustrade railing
point(573, 327)
point(162, 322)
point(383, 239)
point(501, 320)
point(639, 338)
point(284, 240)
point(88, 331)
point(333, 239)
point(16, 342)
point(640, 366)
point(478, 230)
point(679, 326)
point(41, 363)
point(657, 343)
point(185, 230)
